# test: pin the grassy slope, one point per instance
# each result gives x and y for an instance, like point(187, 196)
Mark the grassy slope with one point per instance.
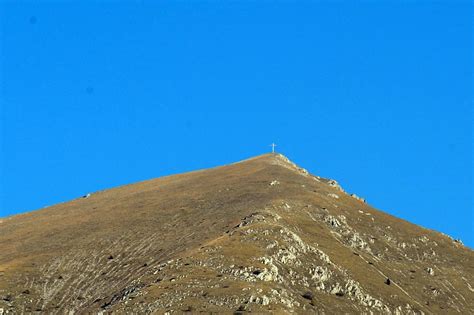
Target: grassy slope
point(100, 252)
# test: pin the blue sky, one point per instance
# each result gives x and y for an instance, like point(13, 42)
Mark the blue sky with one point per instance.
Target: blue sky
point(376, 94)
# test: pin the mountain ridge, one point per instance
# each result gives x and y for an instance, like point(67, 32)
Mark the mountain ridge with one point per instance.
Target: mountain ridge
point(262, 234)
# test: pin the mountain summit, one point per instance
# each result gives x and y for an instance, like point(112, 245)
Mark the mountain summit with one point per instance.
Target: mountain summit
point(261, 235)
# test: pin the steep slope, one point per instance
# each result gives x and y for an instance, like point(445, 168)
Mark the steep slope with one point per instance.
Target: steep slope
point(260, 235)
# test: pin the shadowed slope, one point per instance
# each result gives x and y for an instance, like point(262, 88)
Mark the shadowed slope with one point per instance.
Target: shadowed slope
point(259, 235)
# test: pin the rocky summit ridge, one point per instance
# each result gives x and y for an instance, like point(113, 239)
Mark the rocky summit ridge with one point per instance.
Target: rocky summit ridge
point(261, 235)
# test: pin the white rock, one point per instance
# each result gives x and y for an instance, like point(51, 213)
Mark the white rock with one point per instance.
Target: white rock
point(332, 221)
point(335, 184)
point(358, 198)
point(424, 239)
point(320, 273)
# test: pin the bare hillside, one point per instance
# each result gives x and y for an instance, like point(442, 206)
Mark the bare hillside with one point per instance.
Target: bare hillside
point(261, 235)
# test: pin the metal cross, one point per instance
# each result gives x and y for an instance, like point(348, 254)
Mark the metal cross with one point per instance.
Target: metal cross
point(273, 145)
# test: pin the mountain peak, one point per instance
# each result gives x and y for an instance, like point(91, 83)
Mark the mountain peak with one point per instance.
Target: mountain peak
point(276, 159)
point(260, 235)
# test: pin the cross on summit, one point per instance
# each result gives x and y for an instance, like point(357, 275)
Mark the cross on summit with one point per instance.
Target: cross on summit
point(273, 145)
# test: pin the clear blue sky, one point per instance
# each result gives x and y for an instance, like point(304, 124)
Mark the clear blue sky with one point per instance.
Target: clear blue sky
point(377, 95)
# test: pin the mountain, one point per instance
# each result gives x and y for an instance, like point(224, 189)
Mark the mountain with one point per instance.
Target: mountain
point(261, 235)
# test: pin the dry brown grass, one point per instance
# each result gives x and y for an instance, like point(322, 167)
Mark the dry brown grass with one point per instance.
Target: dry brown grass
point(175, 244)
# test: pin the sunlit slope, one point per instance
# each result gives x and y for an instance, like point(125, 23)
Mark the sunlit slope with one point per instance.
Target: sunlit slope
point(259, 235)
